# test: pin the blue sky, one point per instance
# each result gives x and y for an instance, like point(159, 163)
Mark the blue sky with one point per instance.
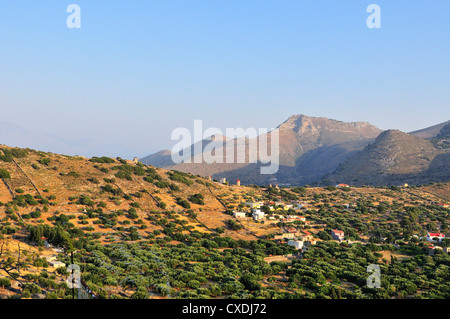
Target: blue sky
point(136, 70)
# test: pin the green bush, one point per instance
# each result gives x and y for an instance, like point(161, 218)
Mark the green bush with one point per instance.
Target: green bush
point(162, 184)
point(5, 282)
point(124, 175)
point(44, 161)
point(8, 154)
point(183, 203)
point(102, 159)
point(73, 174)
point(197, 199)
point(4, 173)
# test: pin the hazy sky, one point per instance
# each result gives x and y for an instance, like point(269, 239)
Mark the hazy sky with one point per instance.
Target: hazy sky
point(136, 70)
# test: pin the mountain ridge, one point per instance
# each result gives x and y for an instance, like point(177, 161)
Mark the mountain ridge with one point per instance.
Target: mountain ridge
point(298, 135)
point(312, 148)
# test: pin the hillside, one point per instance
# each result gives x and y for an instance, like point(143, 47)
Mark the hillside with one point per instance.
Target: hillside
point(430, 132)
point(442, 139)
point(393, 159)
point(73, 184)
point(145, 232)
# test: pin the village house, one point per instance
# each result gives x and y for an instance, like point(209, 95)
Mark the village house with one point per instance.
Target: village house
point(337, 234)
point(239, 214)
point(293, 218)
point(285, 236)
point(342, 185)
point(291, 230)
point(298, 244)
point(435, 237)
point(258, 215)
point(443, 205)
point(305, 236)
point(254, 204)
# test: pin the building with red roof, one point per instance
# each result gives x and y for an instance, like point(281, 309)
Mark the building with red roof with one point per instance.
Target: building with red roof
point(435, 236)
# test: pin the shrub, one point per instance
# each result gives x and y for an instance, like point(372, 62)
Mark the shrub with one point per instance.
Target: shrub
point(102, 159)
point(73, 174)
point(35, 214)
point(197, 199)
point(4, 173)
point(233, 225)
point(8, 154)
point(115, 191)
point(5, 282)
point(84, 200)
point(141, 293)
point(183, 203)
point(180, 177)
point(124, 175)
point(93, 180)
point(162, 184)
point(193, 284)
point(44, 161)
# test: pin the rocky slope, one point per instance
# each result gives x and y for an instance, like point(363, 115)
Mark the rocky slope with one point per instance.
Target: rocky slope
point(393, 159)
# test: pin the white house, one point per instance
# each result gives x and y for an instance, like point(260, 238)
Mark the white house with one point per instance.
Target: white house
point(298, 244)
point(435, 237)
point(258, 215)
point(239, 214)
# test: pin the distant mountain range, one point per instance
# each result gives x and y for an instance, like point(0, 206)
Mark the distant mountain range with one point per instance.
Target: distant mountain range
point(15, 135)
point(312, 150)
point(317, 150)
